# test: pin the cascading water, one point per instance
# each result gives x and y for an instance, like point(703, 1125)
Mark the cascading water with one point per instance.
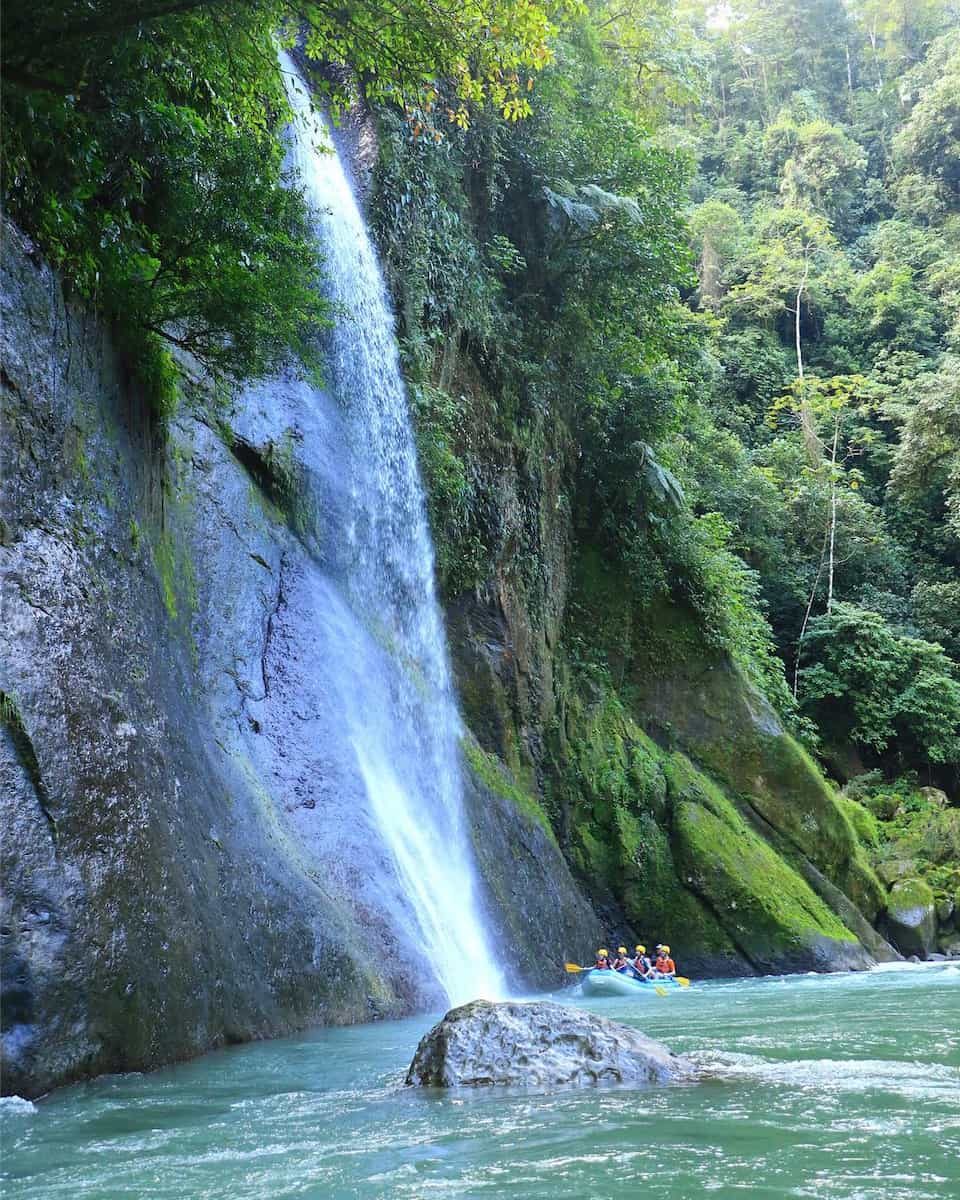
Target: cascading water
point(379, 624)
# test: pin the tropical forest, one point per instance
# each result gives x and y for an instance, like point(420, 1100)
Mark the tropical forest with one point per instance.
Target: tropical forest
point(480, 591)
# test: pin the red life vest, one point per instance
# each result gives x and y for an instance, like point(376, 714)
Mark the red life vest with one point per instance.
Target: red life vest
point(666, 966)
point(642, 964)
point(603, 964)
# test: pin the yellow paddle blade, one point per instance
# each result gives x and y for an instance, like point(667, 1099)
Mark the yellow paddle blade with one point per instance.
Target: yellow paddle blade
point(661, 991)
point(570, 967)
point(683, 982)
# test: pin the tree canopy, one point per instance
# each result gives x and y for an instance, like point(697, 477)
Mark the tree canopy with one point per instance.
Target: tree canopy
point(707, 258)
point(142, 151)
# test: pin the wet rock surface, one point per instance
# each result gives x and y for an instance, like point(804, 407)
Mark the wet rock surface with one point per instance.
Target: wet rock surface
point(180, 870)
point(911, 919)
point(538, 1045)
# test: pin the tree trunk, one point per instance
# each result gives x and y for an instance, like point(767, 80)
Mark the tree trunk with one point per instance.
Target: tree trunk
point(710, 271)
point(810, 438)
point(876, 56)
point(831, 558)
point(806, 616)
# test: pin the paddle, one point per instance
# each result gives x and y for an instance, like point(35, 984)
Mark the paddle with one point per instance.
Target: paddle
point(571, 967)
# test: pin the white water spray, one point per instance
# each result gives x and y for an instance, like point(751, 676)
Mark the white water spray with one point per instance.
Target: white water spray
point(382, 633)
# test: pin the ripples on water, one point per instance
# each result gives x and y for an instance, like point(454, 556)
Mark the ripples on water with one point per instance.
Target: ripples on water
point(844, 1086)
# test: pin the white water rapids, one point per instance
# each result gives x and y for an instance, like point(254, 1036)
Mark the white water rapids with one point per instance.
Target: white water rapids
point(381, 636)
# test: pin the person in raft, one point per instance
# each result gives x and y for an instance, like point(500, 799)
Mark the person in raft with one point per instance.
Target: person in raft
point(665, 966)
point(603, 961)
point(621, 963)
point(642, 964)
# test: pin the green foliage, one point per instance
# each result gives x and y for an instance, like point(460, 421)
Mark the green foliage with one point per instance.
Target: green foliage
point(492, 774)
point(822, 167)
point(828, 238)
point(928, 144)
point(142, 152)
point(514, 252)
point(936, 610)
point(167, 208)
point(875, 687)
point(10, 714)
point(916, 834)
point(927, 461)
point(451, 496)
point(791, 248)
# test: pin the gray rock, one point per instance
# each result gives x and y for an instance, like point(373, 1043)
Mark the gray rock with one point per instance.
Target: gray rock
point(935, 796)
point(522, 889)
point(950, 946)
point(910, 920)
point(538, 1045)
point(181, 866)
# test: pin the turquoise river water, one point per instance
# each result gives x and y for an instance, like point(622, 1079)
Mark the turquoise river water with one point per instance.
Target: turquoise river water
point(823, 1086)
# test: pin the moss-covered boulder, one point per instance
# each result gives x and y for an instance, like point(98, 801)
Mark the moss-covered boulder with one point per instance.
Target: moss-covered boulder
point(910, 919)
point(768, 909)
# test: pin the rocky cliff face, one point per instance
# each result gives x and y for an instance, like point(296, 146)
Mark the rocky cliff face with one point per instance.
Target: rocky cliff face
point(178, 871)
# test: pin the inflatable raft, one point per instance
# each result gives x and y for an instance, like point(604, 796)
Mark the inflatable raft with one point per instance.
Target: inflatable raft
point(612, 983)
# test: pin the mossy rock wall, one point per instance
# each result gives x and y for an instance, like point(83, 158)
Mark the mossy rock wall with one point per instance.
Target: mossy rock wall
point(665, 847)
point(538, 913)
point(600, 747)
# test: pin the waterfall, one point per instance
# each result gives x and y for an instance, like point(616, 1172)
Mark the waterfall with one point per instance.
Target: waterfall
point(381, 636)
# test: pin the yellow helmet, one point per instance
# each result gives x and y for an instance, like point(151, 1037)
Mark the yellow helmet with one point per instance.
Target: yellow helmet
point(621, 949)
point(665, 949)
point(602, 954)
point(641, 949)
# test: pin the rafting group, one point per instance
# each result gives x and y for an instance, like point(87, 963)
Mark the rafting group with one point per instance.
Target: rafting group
point(622, 975)
point(640, 966)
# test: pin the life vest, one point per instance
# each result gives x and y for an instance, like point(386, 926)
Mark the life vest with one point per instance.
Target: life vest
point(603, 964)
point(619, 964)
point(666, 966)
point(642, 964)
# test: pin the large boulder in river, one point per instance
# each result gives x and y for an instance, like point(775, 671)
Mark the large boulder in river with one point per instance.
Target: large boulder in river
point(911, 919)
point(542, 1044)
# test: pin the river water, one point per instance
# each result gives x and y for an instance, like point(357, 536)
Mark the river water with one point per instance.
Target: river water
point(823, 1086)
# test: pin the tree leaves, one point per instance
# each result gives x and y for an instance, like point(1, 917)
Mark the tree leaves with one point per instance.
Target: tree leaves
point(142, 152)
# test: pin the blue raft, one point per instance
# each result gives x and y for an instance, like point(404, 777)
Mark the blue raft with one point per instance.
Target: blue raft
point(613, 983)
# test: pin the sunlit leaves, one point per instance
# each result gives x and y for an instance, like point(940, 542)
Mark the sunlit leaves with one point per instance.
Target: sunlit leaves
point(142, 149)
